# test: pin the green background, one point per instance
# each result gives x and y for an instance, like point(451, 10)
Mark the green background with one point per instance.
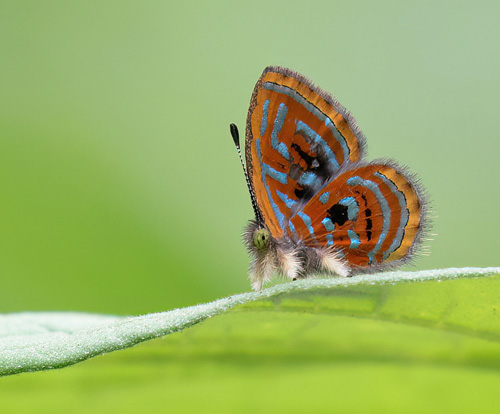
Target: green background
point(121, 191)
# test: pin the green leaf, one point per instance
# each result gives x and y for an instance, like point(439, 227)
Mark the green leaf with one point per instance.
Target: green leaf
point(352, 309)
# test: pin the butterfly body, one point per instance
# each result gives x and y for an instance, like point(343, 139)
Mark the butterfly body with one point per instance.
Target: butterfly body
point(320, 208)
point(292, 260)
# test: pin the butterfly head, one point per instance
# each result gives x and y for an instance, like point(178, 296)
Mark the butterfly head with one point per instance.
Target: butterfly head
point(258, 239)
point(261, 238)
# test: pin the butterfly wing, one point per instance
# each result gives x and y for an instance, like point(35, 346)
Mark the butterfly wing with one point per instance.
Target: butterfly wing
point(297, 138)
point(373, 214)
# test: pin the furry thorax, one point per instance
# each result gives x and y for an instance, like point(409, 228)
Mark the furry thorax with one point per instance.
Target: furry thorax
point(285, 257)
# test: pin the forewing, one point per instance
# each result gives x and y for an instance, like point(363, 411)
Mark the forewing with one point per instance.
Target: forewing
point(297, 138)
point(373, 214)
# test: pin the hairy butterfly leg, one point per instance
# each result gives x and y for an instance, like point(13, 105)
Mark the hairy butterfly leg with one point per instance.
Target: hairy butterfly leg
point(262, 267)
point(331, 262)
point(289, 262)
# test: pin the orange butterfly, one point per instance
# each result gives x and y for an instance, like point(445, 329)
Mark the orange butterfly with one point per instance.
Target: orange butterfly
point(319, 207)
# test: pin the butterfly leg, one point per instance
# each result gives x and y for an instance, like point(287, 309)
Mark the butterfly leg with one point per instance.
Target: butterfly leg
point(288, 262)
point(331, 262)
point(261, 269)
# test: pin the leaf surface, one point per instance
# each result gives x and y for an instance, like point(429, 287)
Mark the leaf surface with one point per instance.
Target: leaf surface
point(349, 307)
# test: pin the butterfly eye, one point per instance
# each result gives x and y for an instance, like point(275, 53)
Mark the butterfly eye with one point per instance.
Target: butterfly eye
point(261, 238)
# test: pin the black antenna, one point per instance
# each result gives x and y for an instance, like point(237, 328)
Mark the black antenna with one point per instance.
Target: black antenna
point(236, 138)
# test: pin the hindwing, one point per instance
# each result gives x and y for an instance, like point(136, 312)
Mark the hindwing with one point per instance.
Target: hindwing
point(372, 214)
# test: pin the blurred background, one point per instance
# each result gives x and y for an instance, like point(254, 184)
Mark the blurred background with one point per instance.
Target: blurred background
point(121, 191)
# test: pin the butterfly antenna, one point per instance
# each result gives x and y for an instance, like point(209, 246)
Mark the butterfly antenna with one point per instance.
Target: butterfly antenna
point(236, 138)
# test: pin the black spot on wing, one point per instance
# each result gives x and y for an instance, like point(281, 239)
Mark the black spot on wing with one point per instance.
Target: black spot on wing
point(304, 193)
point(316, 163)
point(368, 213)
point(308, 159)
point(338, 214)
point(364, 199)
point(368, 229)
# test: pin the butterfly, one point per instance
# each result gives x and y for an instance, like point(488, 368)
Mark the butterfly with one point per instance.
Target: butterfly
point(319, 206)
